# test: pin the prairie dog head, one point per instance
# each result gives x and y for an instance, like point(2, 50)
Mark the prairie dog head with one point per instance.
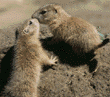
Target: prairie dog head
point(29, 28)
point(50, 13)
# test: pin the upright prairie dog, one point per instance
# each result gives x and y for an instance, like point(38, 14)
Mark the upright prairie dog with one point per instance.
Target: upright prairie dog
point(28, 58)
point(78, 33)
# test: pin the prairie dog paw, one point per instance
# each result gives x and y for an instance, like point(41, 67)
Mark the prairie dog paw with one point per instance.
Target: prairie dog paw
point(53, 60)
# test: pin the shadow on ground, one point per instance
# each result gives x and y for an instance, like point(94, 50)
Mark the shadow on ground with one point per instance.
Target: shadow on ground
point(6, 68)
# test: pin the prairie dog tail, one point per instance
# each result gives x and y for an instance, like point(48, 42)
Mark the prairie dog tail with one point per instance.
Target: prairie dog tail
point(104, 42)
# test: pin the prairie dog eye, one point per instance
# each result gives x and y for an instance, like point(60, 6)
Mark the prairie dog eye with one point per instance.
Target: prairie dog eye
point(43, 12)
point(30, 22)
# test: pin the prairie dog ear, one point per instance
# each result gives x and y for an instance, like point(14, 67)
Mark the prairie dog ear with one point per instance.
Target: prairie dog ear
point(57, 7)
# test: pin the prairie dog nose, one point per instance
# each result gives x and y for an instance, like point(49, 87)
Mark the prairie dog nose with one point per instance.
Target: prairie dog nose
point(34, 15)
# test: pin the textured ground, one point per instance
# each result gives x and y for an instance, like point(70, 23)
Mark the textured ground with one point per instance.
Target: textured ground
point(64, 80)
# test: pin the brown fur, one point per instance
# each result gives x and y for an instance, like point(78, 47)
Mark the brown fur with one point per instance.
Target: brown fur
point(81, 35)
point(28, 58)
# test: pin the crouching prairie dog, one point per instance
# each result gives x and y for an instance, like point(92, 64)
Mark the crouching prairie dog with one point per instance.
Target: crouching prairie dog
point(78, 33)
point(28, 58)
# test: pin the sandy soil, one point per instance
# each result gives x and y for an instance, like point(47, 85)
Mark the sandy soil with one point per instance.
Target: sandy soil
point(64, 80)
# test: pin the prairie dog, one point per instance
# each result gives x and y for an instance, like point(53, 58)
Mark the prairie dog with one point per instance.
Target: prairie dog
point(78, 33)
point(28, 58)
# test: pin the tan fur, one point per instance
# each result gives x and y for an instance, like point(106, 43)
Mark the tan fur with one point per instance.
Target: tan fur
point(28, 58)
point(81, 35)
